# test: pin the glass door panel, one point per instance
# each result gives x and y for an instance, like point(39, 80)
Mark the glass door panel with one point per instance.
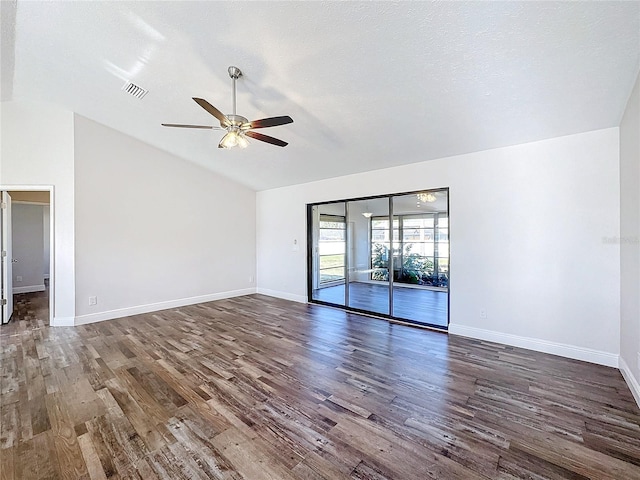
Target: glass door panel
point(442, 258)
point(329, 253)
point(421, 258)
point(387, 255)
point(368, 253)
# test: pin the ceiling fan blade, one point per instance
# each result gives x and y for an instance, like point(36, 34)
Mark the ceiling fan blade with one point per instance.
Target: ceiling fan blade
point(179, 125)
point(212, 110)
point(270, 122)
point(266, 138)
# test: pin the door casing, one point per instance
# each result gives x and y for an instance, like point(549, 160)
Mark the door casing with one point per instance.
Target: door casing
point(7, 259)
point(52, 274)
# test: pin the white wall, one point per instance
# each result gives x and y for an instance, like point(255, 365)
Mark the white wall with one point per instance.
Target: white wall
point(37, 149)
point(630, 242)
point(28, 244)
point(154, 231)
point(529, 225)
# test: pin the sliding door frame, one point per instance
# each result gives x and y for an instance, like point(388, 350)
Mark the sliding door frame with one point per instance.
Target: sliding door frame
point(387, 316)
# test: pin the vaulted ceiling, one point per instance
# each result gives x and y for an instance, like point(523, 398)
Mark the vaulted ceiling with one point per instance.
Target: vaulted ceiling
point(369, 84)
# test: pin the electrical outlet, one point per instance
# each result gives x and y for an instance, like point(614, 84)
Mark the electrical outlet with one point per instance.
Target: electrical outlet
point(638, 360)
point(93, 301)
point(19, 278)
point(251, 279)
point(483, 313)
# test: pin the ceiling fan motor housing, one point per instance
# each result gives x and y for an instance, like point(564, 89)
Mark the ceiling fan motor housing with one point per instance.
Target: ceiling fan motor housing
point(236, 120)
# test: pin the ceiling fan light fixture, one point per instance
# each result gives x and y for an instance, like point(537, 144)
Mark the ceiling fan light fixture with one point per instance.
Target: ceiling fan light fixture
point(234, 138)
point(426, 197)
point(242, 141)
point(230, 140)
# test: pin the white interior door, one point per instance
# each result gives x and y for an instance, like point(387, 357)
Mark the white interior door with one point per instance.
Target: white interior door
point(7, 274)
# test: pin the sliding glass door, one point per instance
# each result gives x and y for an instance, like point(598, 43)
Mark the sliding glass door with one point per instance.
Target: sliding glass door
point(421, 253)
point(386, 255)
point(329, 228)
point(362, 293)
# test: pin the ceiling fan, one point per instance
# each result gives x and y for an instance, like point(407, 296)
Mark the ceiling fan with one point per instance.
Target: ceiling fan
point(238, 127)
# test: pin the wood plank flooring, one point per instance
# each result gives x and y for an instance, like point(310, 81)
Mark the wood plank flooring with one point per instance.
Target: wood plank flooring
point(428, 307)
point(261, 388)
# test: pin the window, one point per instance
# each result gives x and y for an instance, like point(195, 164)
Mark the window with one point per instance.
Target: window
point(420, 248)
point(331, 248)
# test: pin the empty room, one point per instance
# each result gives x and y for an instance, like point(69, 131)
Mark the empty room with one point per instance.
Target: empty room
point(320, 240)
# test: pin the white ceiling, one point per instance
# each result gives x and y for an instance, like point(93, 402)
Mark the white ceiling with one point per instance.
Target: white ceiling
point(369, 84)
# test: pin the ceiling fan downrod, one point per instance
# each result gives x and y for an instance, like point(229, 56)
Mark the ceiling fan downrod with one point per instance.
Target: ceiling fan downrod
point(234, 73)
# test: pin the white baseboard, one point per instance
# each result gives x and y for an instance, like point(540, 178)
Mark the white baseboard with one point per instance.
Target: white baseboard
point(63, 322)
point(283, 295)
point(154, 307)
point(545, 346)
point(632, 381)
point(29, 289)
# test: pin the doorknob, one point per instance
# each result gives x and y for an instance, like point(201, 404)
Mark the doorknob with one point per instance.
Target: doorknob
point(13, 260)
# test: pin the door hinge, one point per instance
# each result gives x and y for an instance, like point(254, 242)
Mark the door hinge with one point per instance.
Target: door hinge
point(4, 253)
point(3, 205)
point(4, 301)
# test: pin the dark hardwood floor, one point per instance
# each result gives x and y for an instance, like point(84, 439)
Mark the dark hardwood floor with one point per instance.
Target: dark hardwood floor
point(261, 388)
point(424, 306)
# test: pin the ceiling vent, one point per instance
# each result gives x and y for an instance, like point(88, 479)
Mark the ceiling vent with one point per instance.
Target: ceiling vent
point(135, 90)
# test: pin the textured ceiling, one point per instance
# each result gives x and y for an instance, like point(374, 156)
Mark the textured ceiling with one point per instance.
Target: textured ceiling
point(368, 84)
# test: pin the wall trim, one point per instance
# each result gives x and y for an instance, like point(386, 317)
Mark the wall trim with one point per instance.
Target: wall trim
point(29, 289)
point(62, 322)
point(154, 307)
point(562, 349)
point(632, 381)
point(284, 295)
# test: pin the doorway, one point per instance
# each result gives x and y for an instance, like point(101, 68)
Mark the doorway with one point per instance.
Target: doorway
point(386, 255)
point(27, 253)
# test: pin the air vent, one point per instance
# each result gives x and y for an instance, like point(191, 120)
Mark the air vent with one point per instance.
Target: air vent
point(135, 90)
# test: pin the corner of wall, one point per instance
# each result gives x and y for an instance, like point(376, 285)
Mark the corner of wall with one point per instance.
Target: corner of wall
point(629, 159)
point(631, 380)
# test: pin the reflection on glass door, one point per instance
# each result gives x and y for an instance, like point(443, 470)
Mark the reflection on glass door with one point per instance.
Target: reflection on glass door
point(385, 255)
point(363, 294)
